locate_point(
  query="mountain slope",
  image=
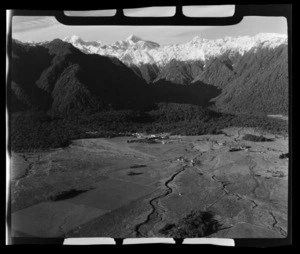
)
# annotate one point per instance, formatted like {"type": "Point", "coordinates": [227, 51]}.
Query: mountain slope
{"type": "Point", "coordinates": [72, 81]}
{"type": "Point", "coordinates": [27, 64]}
{"type": "Point", "coordinates": [182, 73]}
{"type": "Point", "coordinates": [243, 74]}
{"type": "Point", "coordinates": [260, 83]}
{"type": "Point", "coordinates": [250, 71]}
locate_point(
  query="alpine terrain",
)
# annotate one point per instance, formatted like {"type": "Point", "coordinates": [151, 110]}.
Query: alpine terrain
{"type": "Point", "coordinates": [137, 139]}
{"type": "Point", "coordinates": [254, 68]}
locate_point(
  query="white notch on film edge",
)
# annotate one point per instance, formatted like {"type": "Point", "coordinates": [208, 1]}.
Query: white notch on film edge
{"type": "Point", "coordinates": [214, 241]}
{"type": "Point", "coordinates": [148, 240]}
{"type": "Point", "coordinates": [89, 241]}
{"type": "Point", "coordinates": [111, 241]}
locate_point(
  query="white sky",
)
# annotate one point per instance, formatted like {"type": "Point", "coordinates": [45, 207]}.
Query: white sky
{"type": "Point", "coordinates": [48, 28]}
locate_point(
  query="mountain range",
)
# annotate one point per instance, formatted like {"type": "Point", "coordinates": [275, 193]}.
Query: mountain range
{"type": "Point", "coordinates": [242, 74]}
{"type": "Point", "coordinates": [134, 50]}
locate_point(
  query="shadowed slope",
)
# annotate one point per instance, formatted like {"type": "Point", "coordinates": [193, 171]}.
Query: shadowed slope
{"type": "Point", "coordinates": [197, 93]}
{"type": "Point", "coordinates": [71, 81]}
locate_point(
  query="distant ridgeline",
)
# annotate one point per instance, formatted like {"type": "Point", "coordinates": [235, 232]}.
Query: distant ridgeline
{"type": "Point", "coordinates": [244, 74]}
{"type": "Point", "coordinates": [251, 72]}
{"type": "Point", "coordinates": [66, 82]}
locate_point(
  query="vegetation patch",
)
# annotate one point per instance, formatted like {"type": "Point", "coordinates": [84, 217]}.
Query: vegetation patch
{"type": "Point", "coordinates": [278, 174]}
{"type": "Point", "coordinates": [254, 138]}
{"type": "Point", "coordinates": [284, 156]}
{"type": "Point", "coordinates": [131, 173]}
{"type": "Point", "coordinates": [138, 166]}
{"type": "Point", "coordinates": [37, 130]}
{"type": "Point", "coordinates": [66, 194]}
{"type": "Point", "coordinates": [144, 141]}
{"type": "Point", "coordinates": [195, 224]}
{"type": "Point", "coordinates": [234, 149]}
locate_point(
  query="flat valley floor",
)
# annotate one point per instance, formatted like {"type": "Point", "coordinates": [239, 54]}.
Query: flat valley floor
{"type": "Point", "coordinates": [111, 188]}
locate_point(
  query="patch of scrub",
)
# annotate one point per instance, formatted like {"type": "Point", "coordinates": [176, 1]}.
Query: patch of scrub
{"type": "Point", "coordinates": [131, 173]}
{"type": "Point", "coordinates": [66, 194]}
{"type": "Point", "coordinates": [138, 166]}
{"type": "Point", "coordinates": [195, 224]}
{"type": "Point", "coordinates": [254, 138]}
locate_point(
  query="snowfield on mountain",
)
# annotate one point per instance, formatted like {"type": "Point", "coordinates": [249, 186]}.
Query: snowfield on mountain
{"type": "Point", "coordinates": [136, 51]}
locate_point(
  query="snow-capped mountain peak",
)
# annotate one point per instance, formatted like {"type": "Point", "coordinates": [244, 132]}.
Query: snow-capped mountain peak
{"type": "Point", "coordinates": [197, 39]}
{"type": "Point", "coordinates": [136, 51]}
{"type": "Point", "coordinates": [134, 42]}
{"type": "Point", "coordinates": [31, 43]}
{"type": "Point", "coordinates": [72, 39]}
{"type": "Point", "coordinates": [85, 46]}
{"type": "Point", "coordinates": [133, 38]}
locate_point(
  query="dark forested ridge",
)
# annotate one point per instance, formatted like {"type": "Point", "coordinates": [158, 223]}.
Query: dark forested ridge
{"type": "Point", "coordinates": [60, 78]}
{"type": "Point", "coordinates": [254, 82]}
{"type": "Point", "coordinates": [59, 93]}
{"type": "Point", "coordinates": [260, 83]}
{"type": "Point", "coordinates": [182, 73]}
{"type": "Point", "coordinates": [71, 81]}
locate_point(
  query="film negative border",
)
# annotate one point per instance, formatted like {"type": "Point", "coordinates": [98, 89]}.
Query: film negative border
{"type": "Point", "coordinates": [284, 10]}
